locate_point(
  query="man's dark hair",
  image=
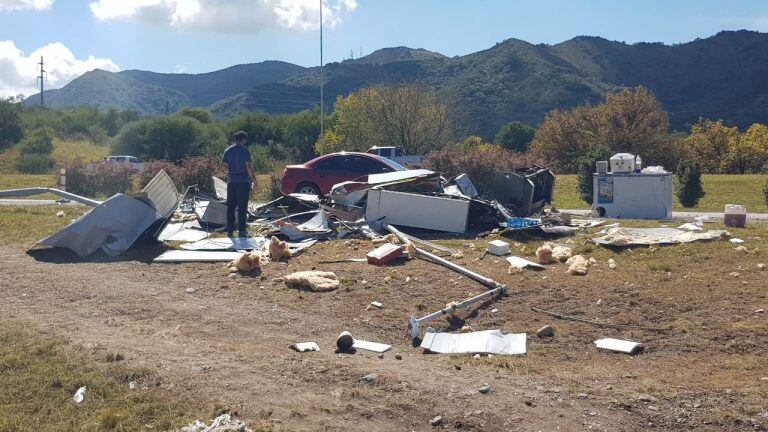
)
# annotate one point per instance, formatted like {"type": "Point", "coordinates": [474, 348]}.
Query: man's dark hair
{"type": "Point", "coordinates": [240, 136]}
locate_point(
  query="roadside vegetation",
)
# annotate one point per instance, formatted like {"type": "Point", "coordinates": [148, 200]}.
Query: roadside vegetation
{"type": "Point", "coordinates": [39, 374]}
{"type": "Point", "coordinates": [35, 140]}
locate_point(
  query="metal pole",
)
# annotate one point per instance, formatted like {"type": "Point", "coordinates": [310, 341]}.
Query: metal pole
{"type": "Point", "coordinates": [322, 78]}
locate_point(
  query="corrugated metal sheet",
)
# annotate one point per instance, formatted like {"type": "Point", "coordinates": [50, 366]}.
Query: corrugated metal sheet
{"type": "Point", "coordinates": [162, 194]}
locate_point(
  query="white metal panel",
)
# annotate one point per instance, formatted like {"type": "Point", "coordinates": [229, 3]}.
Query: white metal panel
{"type": "Point", "coordinates": [417, 211]}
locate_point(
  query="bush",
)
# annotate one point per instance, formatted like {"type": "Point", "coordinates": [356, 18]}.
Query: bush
{"type": "Point", "coordinates": [587, 168]}
{"type": "Point", "coordinates": [39, 141]}
{"type": "Point", "coordinates": [169, 138]}
{"type": "Point", "coordinates": [103, 179]}
{"type": "Point", "coordinates": [765, 192]}
{"type": "Point", "coordinates": [11, 131]}
{"type": "Point", "coordinates": [34, 163]}
{"type": "Point", "coordinates": [189, 172]}
{"type": "Point", "coordinates": [480, 161]}
{"type": "Point", "coordinates": [515, 136]}
{"type": "Point", "coordinates": [688, 183]}
{"type": "Point", "coordinates": [274, 186]}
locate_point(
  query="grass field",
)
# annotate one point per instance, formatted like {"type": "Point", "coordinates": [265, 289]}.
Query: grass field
{"type": "Point", "coordinates": [720, 189]}
{"type": "Point", "coordinates": [39, 374]}
{"type": "Point", "coordinates": [64, 151]}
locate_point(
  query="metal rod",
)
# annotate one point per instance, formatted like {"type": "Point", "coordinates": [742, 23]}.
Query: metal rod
{"type": "Point", "coordinates": [415, 323]}
{"type": "Point", "coordinates": [490, 283]}
{"type": "Point", "coordinates": [41, 190]}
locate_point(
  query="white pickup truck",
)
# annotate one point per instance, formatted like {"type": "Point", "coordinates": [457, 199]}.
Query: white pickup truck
{"type": "Point", "coordinates": [398, 155]}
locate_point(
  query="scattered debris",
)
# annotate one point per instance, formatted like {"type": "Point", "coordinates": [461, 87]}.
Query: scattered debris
{"type": "Point", "coordinates": [466, 329]}
{"type": "Point", "coordinates": [577, 265]}
{"type": "Point", "coordinates": [619, 345]}
{"type": "Point", "coordinates": [481, 342]}
{"type": "Point", "coordinates": [371, 346]}
{"type": "Point", "coordinates": [60, 214]}
{"type": "Point", "coordinates": [184, 256]}
{"type": "Point", "coordinates": [741, 249]}
{"type": "Point", "coordinates": [736, 241]}
{"type": "Point", "coordinates": [546, 331]}
{"type": "Point", "coordinates": [498, 247]}
{"type": "Point", "coordinates": [227, 244]}
{"type": "Point", "coordinates": [544, 254]}
{"type": "Point", "coordinates": [484, 389]}
{"type": "Point", "coordinates": [377, 305]}
{"type": "Point", "coordinates": [79, 396]}
{"type": "Point", "coordinates": [597, 324]}
{"type": "Point", "coordinates": [437, 421]}
{"type": "Point", "coordinates": [761, 266]}
{"type": "Point", "coordinates": [345, 341]}
{"type": "Point", "coordinates": [278, 249]}
{"type": "Point", "coordinates": [305, 346]}
{"type": "Point", "coordinates": [222, 423]}
{"type": "Point", "coordinates": [612, 264]}
{"type": "Point", "coordinates": [622, 237]}
{"type": "Point", "coordinates": [384, 254]}
{"type": "Point", "coordinates": [313, 280]}
{"type": "Point", "coordinates": [369, 379]}
{"type": "Point", "coordinates": [522, 263]}
{"type": "Point", "coordinates": [248, 262]}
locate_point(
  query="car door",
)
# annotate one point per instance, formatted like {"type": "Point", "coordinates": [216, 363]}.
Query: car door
{"type": "Point", "coordinates": [362, 166]}
{"type": "Point", "coordinates": [330, 171]}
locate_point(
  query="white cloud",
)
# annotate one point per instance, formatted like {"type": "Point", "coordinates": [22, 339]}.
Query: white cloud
{"type": "Point", "coordinates": [232, 16]}
{"type": "Point", "coordinates": [9, 5]}
{"type": "Point", "coordinates": [18, 71]}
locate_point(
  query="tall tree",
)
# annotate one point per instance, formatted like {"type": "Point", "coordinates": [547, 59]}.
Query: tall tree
{"type": "Point", "coordinates": [709, 143]}
{"type": "Point", "coordinates": [628, 121]}
{"type": "Point", "coordinates": [515, 136]}
{"type": "Point", "coordinates": [10, 124]}
{"type": "Point", "coordinates": [402, 116]}
{"type": "Point", "coordinates": [748, 152]}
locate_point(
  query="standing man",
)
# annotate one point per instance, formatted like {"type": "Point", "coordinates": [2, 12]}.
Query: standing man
{"type": "Point", "coordinates": [239, 182]}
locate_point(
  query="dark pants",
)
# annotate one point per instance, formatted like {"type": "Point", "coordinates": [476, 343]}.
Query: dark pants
{"type": "Point", "coordinates": [237, 198]}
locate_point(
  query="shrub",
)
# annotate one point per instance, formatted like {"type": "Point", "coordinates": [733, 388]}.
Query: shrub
{"type": "Point", "coordinates": [103, 179]}
{"type": "Point", "coordinates": [587, 168]}
{"type": "Point", "coordinates": [274, 186]}
{"type": "Point", "coordinates": [480, 161]}
{"type": "Point", "coordinates": [189, 172]}
{"type": "Point", "coordinates": [765, 192]}
{"type": "Point", "coordinates": [515, 136]}
{"type": "Point", "coordinates": [11, 131]}
{"type": "Point", "coordinates": [34, 163]}
{"type": "Point", "coordinates": [688, 183]}
{"type": "Point", "coordinates": [39, 141]}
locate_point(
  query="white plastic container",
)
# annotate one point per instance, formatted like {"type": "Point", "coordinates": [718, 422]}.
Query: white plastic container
{"type": "Point", "coordinates": [622, 163]}
{"type": "Point", "coordinates": [735, 216]}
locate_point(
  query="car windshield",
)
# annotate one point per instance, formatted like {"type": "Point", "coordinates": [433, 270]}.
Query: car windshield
{"type": "Point", "coordinates": [396, 166]}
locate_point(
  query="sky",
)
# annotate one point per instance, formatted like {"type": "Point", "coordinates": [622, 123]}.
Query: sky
{"type": "Point", "coordinates": [194, 36]}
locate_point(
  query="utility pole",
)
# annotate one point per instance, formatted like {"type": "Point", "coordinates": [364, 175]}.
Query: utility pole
{"type": "Point", "coordinates": [322, 79]}
{"type": "Point", "coordinates": [167, 108]}
{"type": "Point", "coordinates": [41, 78]}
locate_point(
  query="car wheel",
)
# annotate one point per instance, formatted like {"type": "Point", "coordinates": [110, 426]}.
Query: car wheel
{"type": "Point", "coordinates": [308, 188]}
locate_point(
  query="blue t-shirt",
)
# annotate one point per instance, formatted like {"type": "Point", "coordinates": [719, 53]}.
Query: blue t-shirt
{"type": "Point", "coordinates": [236, 156]}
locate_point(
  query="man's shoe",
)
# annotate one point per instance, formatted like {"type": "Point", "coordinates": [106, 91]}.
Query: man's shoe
{"type": "Point", "coordinates": [242, 233]}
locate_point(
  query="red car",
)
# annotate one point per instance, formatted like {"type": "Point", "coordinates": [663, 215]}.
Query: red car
{"type": "Point", "coordinates": [318, 176]}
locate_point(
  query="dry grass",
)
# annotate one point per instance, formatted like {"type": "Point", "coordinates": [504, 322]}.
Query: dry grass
{"type": "Point", "coordinates": [64, 151]}
{"type": "Point", "coordinates": [39, 375]}
{"type": "Point", "coordinates": [24, 226]}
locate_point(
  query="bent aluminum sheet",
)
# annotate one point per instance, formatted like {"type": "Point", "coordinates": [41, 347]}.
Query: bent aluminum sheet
{"type": "Point", "coordinates": [184, 256]}
{"type": "Point", "coordinates": [482, 342]}
{"type": "Point", "coordinates": [371, 346]}
{"type": "Point", "coordinates": [174, 228]}
{"type": "Point", "coordinates": [227, 243]}
{"type": "Point", "coordinates": [112, 226]}
{"type": "Point", "coordinates": [653, 236]}
{"type": "Point", "coordinates": [624, 346]}
{"type": "Point", "coordinates": [519, 262]}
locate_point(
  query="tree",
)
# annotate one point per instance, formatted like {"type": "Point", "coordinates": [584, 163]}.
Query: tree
{"type": "Point", "coordinates": [171, 138]}
{"type": "Point", "coordinates": [587, 167]}
{"type": "Point", "coordinates": [402, 116]}
{"type": "Point", "coordinates": [709, 143]}
{"type": "Point", "coordinates": [515, 136]}
{"type": "Point", "coordinates": [10, 124]}
{"type": "Point", "coordinates": [629, 121]}
{"type": "Point", "coordinates": [200, 114]}
{"type": "Point", "coordinates": [688, 183]}
{"type": "Point", "coordinates": [36, 150]}
{"type": "Point", "coordinates": [748, 152]}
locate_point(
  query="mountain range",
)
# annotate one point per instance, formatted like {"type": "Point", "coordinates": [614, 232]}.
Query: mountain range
{"type": "Point", "coordinates": [721, 77]}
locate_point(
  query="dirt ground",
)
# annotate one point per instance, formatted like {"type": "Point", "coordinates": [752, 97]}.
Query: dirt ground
{"type": "Point", "coordinates": [227, 342]}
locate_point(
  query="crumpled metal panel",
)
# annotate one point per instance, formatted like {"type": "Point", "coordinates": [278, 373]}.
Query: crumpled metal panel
{"type": "Point", "coordinates": [112, 226]}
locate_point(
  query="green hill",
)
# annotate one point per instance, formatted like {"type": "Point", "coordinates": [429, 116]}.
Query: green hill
{"type": "Point", "coordinates": [721, 77]}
